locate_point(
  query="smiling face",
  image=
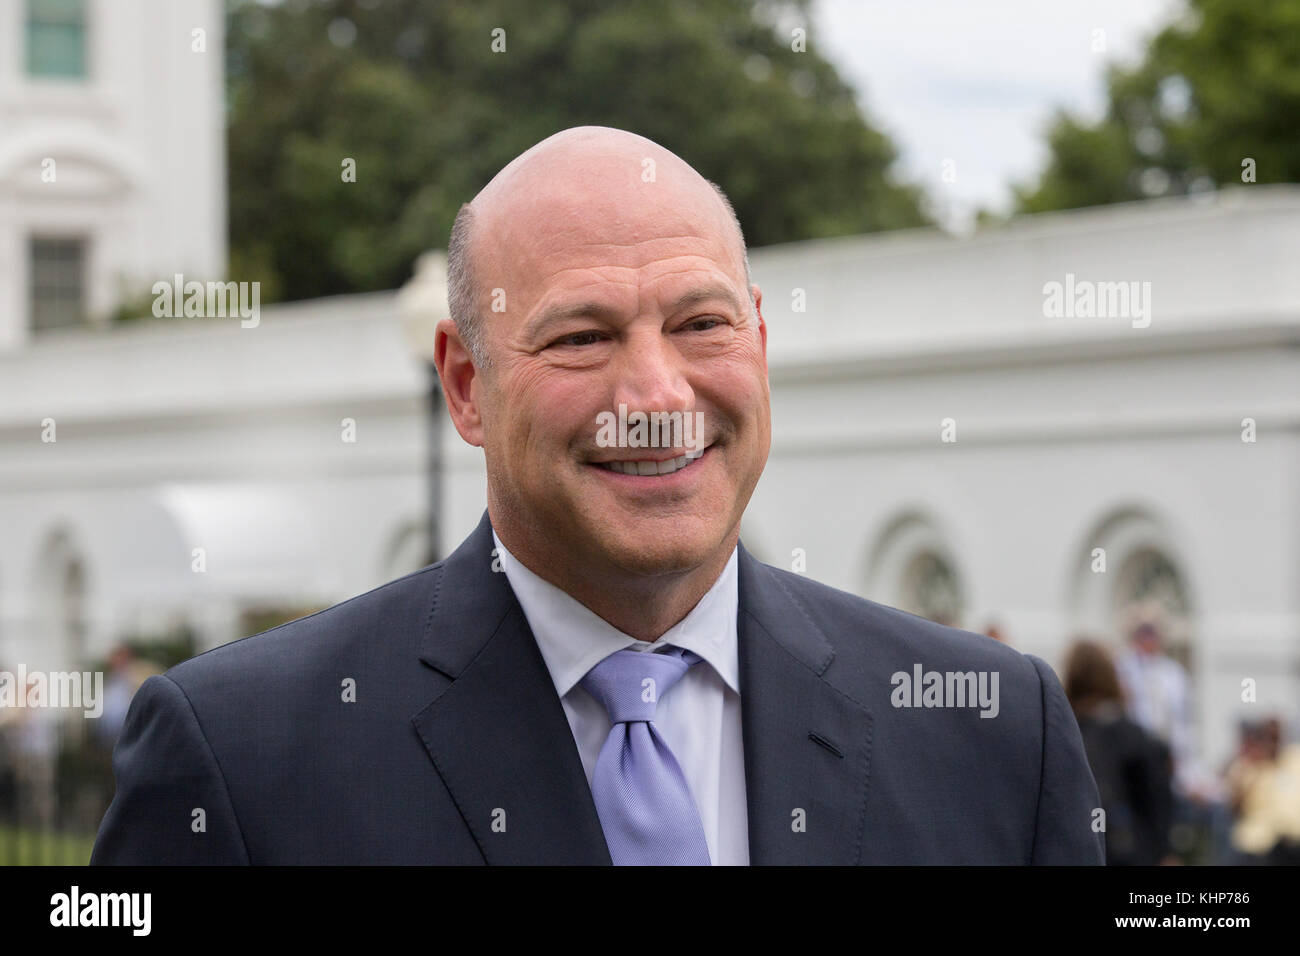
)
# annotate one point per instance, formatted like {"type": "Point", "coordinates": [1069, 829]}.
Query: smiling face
{"type": "Point", "coordinates": [616, 292]}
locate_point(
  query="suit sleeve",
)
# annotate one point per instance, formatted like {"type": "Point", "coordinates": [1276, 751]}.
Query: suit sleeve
{"type": "Point", "coordinates": [166, 772]}
{"type": "Point", "coordinates": [1064, 828]}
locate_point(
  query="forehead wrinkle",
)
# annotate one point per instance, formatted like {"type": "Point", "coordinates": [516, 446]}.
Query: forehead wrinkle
{"type": "Point", "coordinates": [557, 304]}
{"type": "Point", "coordinates": [724, 248]}
{"type": "Point", "coordinates": [682, 272]}
{"type": "Point", "coordinates": [552, 293]}
{"type": "Point", "coordinates": [717, 285]}
{"type": "Point", "coordinates": [714, 284]}
{"type": "Point", "coordinates": [701, 247]}
{"type": "Point", "coordinates": [708, 262]}
{"type": "Point", "coordinates": [705, 255]}
{"type": "Point", "coordinates": [676, 237]}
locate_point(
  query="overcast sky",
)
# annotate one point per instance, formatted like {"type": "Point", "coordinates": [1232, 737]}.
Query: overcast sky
{"type": "Point", "coordinates": [976, 82]}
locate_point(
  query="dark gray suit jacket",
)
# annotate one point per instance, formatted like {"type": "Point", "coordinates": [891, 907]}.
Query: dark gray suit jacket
{"type": "Point", "coordinates": [456, 723]}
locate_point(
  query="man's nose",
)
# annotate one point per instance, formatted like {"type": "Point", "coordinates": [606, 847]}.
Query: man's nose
{"type": "Point", "coordinates": [651, 376]}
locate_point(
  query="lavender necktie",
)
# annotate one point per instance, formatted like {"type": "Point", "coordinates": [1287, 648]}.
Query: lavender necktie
{"type": "Point", "coordinates": [642, 798]}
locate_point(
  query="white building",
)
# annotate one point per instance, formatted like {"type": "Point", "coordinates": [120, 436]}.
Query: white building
{"type": "Point", "coordinates": [292, 454]}
{"type": "Point", "coordinates": [112, 155]}
{"type": "Point", "coordinates": [1174, 447]}
{"type": "Point", "coordinates": [198, 472]}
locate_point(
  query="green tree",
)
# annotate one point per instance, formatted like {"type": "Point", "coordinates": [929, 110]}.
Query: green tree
{"type": "Point", "coordinates": [1216, 88]}
{"type": "Point", "coordinates": [414, 93]}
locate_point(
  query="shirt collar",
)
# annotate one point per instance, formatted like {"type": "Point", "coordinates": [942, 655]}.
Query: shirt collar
{"type": "Point", "coordinates": [573, 639]}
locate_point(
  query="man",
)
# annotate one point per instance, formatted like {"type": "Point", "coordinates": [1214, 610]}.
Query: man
{"type": "Point", "coordinates": [601, 673]}
{"type": "Point", "coordinates": [1159, 695]}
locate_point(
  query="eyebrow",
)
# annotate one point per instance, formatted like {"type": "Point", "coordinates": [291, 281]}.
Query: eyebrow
{"type": "Point", "coordinates": [705, 294]}
{"type": "Point", "coordinates": [601, 310]}
{"type": "Point", "coordinates": [557, 313]}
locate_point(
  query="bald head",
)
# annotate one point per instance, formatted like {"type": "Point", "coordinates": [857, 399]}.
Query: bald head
{"type": "Point", "coordinates": [590, 183]}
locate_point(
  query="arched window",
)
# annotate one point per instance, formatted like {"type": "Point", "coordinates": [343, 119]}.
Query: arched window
{"type": "Point", "coordinates": [930, 589]}
{"type": "Point", "coordinates": [1127, 564]}
{"type": "Point", "coordinates": [1148, 578]}
{"type": "Point", "coordinates": [912, 568]}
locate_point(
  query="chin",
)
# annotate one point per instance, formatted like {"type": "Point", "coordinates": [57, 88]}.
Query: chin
{"type": "Point", "coordinates": [653, 550]}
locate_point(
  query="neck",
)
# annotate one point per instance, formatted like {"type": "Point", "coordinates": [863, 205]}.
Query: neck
{"type": "Point", "coordinates": [641, 606]}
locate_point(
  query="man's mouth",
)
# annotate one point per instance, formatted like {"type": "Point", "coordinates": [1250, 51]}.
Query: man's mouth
{"type": "Point", "coordinates": [649, 468]}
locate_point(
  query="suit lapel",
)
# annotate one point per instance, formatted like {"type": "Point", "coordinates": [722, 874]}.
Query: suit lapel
{"type": "Point", "coordinates": [807, 744]}
{"type": "Point", "coordinates": [497, 734]}
{"type": "Point", "coordinates": [499, 738]}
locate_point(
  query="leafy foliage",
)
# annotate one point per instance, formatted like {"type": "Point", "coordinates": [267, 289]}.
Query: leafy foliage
{"type": "Point", "coordinates": [413, 92]}
{"type": "Point", "coordinates": [1219, 86]}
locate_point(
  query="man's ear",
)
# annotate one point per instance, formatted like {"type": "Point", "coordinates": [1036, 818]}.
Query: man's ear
{"type": "Point", "coordinates": [762, 325]}
{"type": "Point", "coordinates": [457, 373]}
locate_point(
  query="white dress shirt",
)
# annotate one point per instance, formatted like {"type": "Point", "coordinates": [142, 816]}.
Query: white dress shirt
{"type": "Point", "coordinates": [1159, 699]}
{"type": "Point", "coordinates": [699, 717]}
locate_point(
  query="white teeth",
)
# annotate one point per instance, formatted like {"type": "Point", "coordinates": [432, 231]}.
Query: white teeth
{"type": "Point", "coordinates": [648, 468]}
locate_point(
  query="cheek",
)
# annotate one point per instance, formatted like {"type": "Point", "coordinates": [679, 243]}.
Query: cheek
{"type": "Point", "coordinates": [742, 397]}
{"type": "Point", "coordinates": [742, 365]}
{"type": "Point", "coordinates": [547, 412]}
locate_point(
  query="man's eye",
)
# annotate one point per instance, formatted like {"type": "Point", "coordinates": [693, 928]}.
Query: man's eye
{"type": "Point", "coordinates": [702, 324]}
{"type": "Point", "coordinates": [579, 339]}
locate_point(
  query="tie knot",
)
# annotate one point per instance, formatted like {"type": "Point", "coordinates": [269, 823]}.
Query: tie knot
{"type": "Point", "coordinates": [630, 683]}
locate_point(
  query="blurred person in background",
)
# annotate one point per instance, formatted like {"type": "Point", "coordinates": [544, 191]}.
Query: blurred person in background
{"type": "Point", "coordinates": [29, 747]}
{"type": "Point", "coordinates": [1131, 766]}
{"type": "Point", "coordinates": [126, 672]}
{"type": "Point", "coordinates": [1264, 794]}
{"type": "Point", "coordinates": [994, 630]}
{"type": "Point", "coordinates": [1158, 697]}
{"type": "Point", "coordinates": [8, 762]}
